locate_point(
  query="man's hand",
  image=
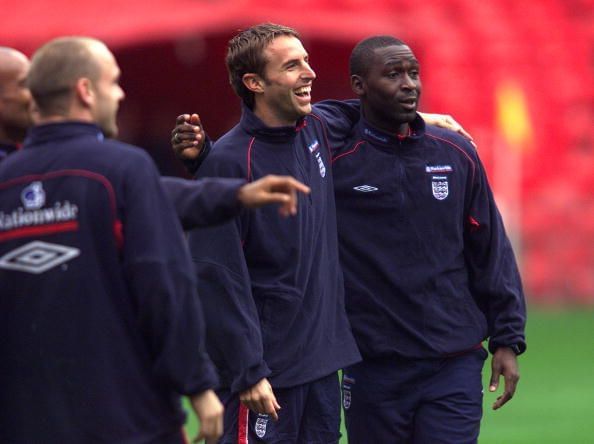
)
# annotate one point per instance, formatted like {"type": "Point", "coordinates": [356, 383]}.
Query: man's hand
{"type": "Point", "coordinates": [260, 399]}
{"type": "Point", "coordinates": [504, 363]}
{"type": "Point", "coordinates": [187, 138]}
{"type": "Point", "coordinates": [447, 122]}
{"type": "Point", "coordinates": [273, 189]}
{"type": "Point", "coordinates": [209, 411]}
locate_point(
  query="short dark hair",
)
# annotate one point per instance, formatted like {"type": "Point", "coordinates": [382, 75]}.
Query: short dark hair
{"type": "Point", "coordinates": [364, 50]}
{"type": "Point", "coordinates": [245, 54]}
{"type": "Point", "coordinates": [56, 67]}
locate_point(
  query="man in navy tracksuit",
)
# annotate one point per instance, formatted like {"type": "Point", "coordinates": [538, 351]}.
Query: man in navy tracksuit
{"type": "Point", "coordinates": [429, 270]}
{"type": "Point", "coordinates": [272, 289]}
{"type": "Point", "coordinates": [101, 327]}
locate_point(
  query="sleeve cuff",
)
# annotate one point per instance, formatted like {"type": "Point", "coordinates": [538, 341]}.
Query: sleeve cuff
{"type": "Point", "coordinates": [250, 377]}
{"type": "Point", "coordinates": [518, 347]}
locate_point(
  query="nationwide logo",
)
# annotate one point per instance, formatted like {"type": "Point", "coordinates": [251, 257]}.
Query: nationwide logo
{"type": "Point", "coordinates": [33, 198]}
{"type": "Point", "coordinates": [60, 212]}
{"type": "Point", "coordinates": [37, 257]}
{"type": "Point", "coordinates": [365, 188]}
{"type": "Point", "coordinates": [438, 169]}
{"type": "Point", "coordinates": [439, 187]}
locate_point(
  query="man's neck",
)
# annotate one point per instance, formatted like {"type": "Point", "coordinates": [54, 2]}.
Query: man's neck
{"type": "Point", "coordinates": [54, 119]}
{"type": "Point", "coordinates": [73, 114]}
{"type": "Point", "coordinates": [401, 129]}
{"type": "Point", "coordinates": [271, 118]}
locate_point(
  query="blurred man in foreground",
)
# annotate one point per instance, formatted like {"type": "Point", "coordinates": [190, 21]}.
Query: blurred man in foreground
{"type": "Point", "coordinates": [102, 330]}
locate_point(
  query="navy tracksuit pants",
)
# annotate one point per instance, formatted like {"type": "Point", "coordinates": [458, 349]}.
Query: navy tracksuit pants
{"type": "Point", "coordinates": [430, 401]}
{"type": "Point", "coordinates": [309, 414]}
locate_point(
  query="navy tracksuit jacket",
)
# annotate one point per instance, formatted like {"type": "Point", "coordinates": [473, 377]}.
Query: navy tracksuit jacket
{"type": "Point", "coordinates": [272, 288]}
{"type": "Point", "coordinates": [429, 270]}
{"type": "Point", "coordinates": [100, 323]}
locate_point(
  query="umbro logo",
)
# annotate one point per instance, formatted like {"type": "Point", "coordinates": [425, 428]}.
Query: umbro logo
{"type": "Point", "coordinates": [365, 188]}
{"type": "Point", "coordinates": [37, 257]}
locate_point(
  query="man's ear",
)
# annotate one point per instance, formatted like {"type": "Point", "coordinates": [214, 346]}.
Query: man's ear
{"type": "Point", "coordinates": [84, 90]}
{"type": "Point", "coordinates": [253, 82]}
{"type": "Point", "coordinates": [357, 85]}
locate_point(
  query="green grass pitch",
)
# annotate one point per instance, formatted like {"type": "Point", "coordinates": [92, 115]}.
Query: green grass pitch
{"type": "Point", "coordinates": [554, 403]}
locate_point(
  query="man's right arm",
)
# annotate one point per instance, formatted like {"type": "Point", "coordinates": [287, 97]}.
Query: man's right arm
{"type": "Point", "coordinates": [213, 200]}
{"type": "Point", "coordinates": [233, 335]}
{"type": "Point", "coordinates": [340, 118]}
{"type": "Point", "coordinates": [234, 339]}
{"type": "Point", "coordinates": [191, 145]}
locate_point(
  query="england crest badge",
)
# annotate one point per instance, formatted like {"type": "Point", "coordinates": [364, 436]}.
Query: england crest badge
{"type": "Point", "coordinates": [439, 186]}
{"type": "Point", "coordinates": [346, 399]}
{"type": "Point", "coordinates": [347, 384]}
{"type": "Point", "coordinates": [314, 149]}
{"type": "Point", "coordinates": [33, 196]}
{"type": "Point", "coordinates": [260, 427]}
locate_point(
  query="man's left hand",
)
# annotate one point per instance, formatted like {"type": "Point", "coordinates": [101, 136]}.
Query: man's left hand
{"type": "Point", "coordinates": [504, 363]}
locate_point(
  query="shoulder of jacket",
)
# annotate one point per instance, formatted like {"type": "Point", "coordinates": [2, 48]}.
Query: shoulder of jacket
{"type": "Point", "coordinates": [453, 140]}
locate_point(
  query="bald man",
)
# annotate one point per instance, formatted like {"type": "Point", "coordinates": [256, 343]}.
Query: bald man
{"type": "Point", "coordinates": [15, 100]}
{"type": "Point", "coordinates": [101, 327]}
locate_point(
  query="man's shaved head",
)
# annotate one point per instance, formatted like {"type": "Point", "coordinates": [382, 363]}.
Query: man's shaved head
{"type": "Point", "coordinates": [15, 99]}
{"type": "Point", "coordinates": [56, 67]}
{"type": "Point", "coordinates": [10, 61]}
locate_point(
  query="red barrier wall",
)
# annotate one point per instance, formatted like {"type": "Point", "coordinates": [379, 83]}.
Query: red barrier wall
{"type": "Point", "coordinates": [518, 75]}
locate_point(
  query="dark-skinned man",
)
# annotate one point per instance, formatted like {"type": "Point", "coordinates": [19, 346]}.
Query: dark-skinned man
{"type": "Point", "coordinates": [432, 274]}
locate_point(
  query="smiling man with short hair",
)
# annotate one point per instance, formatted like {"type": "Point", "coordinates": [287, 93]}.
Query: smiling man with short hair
{"type": "Point", "coordinates": [272, 289]}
